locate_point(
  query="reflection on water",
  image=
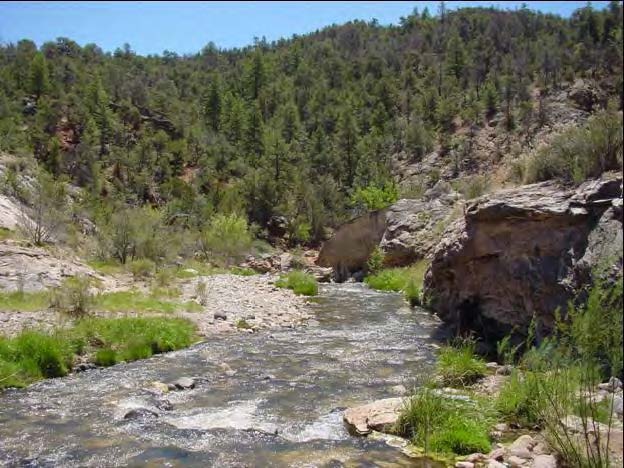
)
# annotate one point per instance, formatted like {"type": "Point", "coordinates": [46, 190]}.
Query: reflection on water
{"type": "Point", "coordinates": [282, 407]}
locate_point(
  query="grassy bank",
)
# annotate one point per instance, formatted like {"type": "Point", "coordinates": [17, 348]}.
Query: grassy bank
{"type": "Point", "coordinates": [159, 300]}
{"type": "Point", "coordinates": [408, 280]}
{"type": "Point", "coordinates": [34, 355]}
{"type": "Point", "coordinates": [549, 382]}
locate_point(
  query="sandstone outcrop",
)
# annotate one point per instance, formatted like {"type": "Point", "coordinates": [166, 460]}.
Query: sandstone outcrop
{"type": "Point", "coordinates": [524, 251]}
{"type": "Point", "coordinates": [407, 231]}
{"type": "Point", "coordinates": [349, 249]}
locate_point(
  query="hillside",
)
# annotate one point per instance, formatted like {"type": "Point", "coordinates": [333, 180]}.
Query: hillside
{"type": "Point", "coordinates": [311, 128]}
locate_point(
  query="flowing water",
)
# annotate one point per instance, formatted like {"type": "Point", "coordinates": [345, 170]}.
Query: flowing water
{"type": "Point", "coordinates": [283, 407]}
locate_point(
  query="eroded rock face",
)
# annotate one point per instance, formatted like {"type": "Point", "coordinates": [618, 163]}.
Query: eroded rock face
{"type": "Point", "coordinates": [34, 269]}
{"type": "Point", "coordinates": [524, 251]}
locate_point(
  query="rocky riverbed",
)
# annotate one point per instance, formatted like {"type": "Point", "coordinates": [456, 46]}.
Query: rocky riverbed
{"type": "Point", "coordinates": [229, 303]}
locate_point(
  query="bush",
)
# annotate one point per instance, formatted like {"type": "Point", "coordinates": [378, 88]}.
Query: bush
{"type": "Point", "coordinates": [301, 283]}
{"type": "Point", "coordinates": [458, 366]}
{"type": "Point", "coordinates": [373, 198]}
{"type": "Point", "coordinates": [412, 292]}
{"type": "Point", "coordinates": [142, 268]}
{"type": "Point", "coordinates": [73, 297]}
{"type": "Point", "coordinates": [227, 238]}
{"type": "Point", "coordinates": [442, 425]}
{"type": "Point", "coordinates": [580, 152]}
{"type": "Point", "coordinates": [375, 260]}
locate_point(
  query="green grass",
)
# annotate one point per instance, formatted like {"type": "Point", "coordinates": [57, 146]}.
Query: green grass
{"type": "Point", "coordinates": [33, 355]}
{"type": "Point", "coordinates": [458, 365]}
{"type": "Point", "coordinates": [408, 280]}
{"type": "Point", "coordinates": [390, 279]}
{"type": "Point", "coordinates": [6, 234]}
{"type": "Point", "coordinates": [24, 301]}
{"type": "Point", "coordinates": [134, 301]}
{"type": "Point", "coordinates": [243, 324]}
{"type": "Point", "coordinates": [441, 425]}
{"type": "Point", "coordinates": [301, 283]}
{"type": "Point", "coordinates": [107, 267]}
{"type": "Point", "coordinates": [243, 271]}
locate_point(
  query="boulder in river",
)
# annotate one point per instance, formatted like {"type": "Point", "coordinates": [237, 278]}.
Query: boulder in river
{"type": "Point", "coordinates": [522, 252]}
{"type": "Point", "coordinates": [140, 413]}
{"type": "Point", "coordinates": [380, 415]}
{"type": "Point", "coordinates": [184, 383]}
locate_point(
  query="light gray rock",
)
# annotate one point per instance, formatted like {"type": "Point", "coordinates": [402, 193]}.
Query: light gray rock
{"type": "Point", "coordinates": [184, 383]}
{"type": "Point", "coordinates": [522, 446]}
{"type": "Point", "coordinates": [516, 462]}
{"type": "Point", "coordinates": [379, 415]}
{"type": "Point", "coordinates": [544, 461]}
{"type": "Point", "coordinates": [464, 464]}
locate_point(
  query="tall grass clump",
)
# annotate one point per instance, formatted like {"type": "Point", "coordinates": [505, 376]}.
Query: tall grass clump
{"type": "Point", "coordinates": [407, 280]}
{"type": "Point", "coordinates": [31, 356]}
{"type": "Point", "coordinates": [132, 338]}
{"type": "Point", "coordinates": [299, 282]}
{"type": "Point", "coordinates": [443, 425]}
{"type": "Point", "coordinates": [458, 364]}
{"type": "Point", "coordinates": [73, 297]}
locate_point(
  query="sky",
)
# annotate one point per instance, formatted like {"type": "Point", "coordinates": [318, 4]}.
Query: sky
{"type": "Point", "coordinates": [186, 27]}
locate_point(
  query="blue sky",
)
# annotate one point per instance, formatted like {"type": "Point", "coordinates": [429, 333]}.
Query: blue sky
{"type": "Point", "coordinates": [185, 27]}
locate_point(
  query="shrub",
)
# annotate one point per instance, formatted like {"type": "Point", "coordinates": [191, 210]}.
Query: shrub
{"type": "Point", "coordinates": [412, 292]}
{"type": "Point", "coordinates": [375, 260]}
{"type": "Point", "coordinates": [227, 238]}
{"type": "Point", "coordinates": [201, 291]}
{"type": "Point", "coordinates": [73, 297]}
{"type": "Point", "coordinates": [142, 268]}
{"type": "Point", "coordinates": [301, 283]}
{"type": "Point", "coordinates": [242, 271]}
{"type": "Point", "coordinates": [580, 152]}
{"type": "Point", "coordinates": [458, 365]}
{"type": "Point", "coordinates": [243, 324]}
{"type": "Point", "coordinates": [375, 198]}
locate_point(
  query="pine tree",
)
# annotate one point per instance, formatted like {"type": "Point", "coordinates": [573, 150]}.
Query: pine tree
{"type": "Point", "coordinates": [39, 75]}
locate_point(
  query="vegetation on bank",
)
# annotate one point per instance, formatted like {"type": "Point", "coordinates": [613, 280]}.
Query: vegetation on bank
{"type": "Point", "coordinates": [550, 380]}
{"type": "Point", "coordinates": [35, 355]}
{"type": "Point", "coordinates": [77, 302]}
{"type": "Point", "coordinates": [299, 282]}
{"type": "Point", "coordinates": [408, 280]}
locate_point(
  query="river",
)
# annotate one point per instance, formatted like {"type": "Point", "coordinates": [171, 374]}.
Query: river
{"type": "Point", "coordinates": [283, 407]}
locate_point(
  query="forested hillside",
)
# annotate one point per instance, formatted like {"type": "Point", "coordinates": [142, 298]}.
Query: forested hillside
{"type": "Point", "coordinates": [304, 128]}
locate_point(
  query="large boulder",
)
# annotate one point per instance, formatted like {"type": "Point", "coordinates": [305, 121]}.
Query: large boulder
{"type": "Point", "coordinates": [413, 229]}
{"type": "Point", "coordinates": [352, 244]}
{"type": "Point", "coordinates": [524, 251]}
